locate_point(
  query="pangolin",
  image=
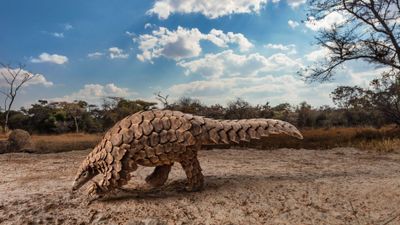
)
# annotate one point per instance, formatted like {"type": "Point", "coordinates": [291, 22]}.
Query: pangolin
{"type": "Point", "coordinates": [158, 138]}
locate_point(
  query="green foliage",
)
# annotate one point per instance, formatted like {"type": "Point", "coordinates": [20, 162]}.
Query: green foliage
{"type": "Point", "coordinates": [382, 98]}
{"type": "Point", "coordinates": [65, 117]}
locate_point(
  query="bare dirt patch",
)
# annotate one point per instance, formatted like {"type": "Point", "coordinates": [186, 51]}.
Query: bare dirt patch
{"type": "Point", "coordinates": [337, 186]}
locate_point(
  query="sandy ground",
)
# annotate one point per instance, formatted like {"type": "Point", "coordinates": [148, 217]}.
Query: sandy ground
{"type": "Point", "coordinates": [338, 186]}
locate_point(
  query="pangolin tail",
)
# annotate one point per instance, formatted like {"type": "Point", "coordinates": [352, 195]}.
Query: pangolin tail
{"type": "Point", "coordinates": [234, 131]}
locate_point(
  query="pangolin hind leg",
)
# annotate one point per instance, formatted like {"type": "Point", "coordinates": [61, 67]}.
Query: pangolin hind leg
{"type": "Point", "coordinates": [114, 176]}
{"type": "Point", "coordinates": [159, 175]}
{"type": "Point", "coordinates": [191, 165]}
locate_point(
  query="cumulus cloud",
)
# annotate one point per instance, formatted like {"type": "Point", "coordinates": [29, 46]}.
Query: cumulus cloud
{"type": "Point", "coordinates": [290, 49]}
{"type": "Point", "coordinates": [326, 23]}
{"type": "Point", "coordinates": [38, 79]}
{"type": "Point", "coordinates": [273, 87]}
{"type": "Point", "coordinates": [184, 43]}
{"type": "Point", "coordinates": [94, 93]}
{"type": "Point", "coordinates": [219, 38]}
{"type": "Point", "coordinates": [259, 89]}
{"type": "Point", "coordinates": [223, 76]}
{"type": "Point", "coordinates": [95, 55]}
{"type": "Point", "coordinates": [296, 3]}
{"type": "Point", "coordinates": [50, 58]}
{"type": "Point", "coordinates": [293, 24]}
{"type": "Point", "coordinates": [211, 9]}
{"type": "Point", "coordinates": [117, 53]}
{"type": "Point", "coordinates": [230, 64]}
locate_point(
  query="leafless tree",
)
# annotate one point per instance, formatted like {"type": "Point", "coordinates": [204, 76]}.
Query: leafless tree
{"type": "Point", "coordinates": [15, 78]}
{"type": "Point", "coordinates": [370, 32]}
{"type": "Point", "coordinates": [162, 99]}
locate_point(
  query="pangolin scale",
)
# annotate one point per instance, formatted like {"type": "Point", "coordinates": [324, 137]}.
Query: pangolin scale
{"type": "Point", "coordinates": [158, 138]}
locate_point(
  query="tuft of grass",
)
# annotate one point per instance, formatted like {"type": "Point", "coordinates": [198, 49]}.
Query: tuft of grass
{"type": "Point", "coordinates": [384, 146]}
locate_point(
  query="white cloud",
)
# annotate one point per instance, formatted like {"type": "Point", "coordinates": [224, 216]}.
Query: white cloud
{"type": "Point", "coordinates": [363, 78]}
{"type": "Point", "coordinates": [273, 87]}
{"type": "Point", "coordinates": [117, 53]}
{"type": "Point", "coordinates": [94, 93]}
{"type": "Point", "coordinates": [39, 79]}
{"type": "Point", "coordinates": [223, 76]}
{"type": "Point", "coordinates": [211, 9]}
{"type": "Point", "coordinates": [296, 3]}
{"type": "Point", "coordinates": [333, 18]}
{"type": "Point", "coordinates": [57, 35]}
{"type": "Point", "coordinates": [321, 53]}
{"type": "Point", "coordinates": [130, 34]}
{"type": "Point", "coordinates": [50, 58]}
{"type": "Point", "coordinates": [149, 25]}
{"type": "Point", "coordinates": [219, 38]}
{"type": "Point", "coordinates": [184, 43]}
{"type": "Point", "coordinates": [95, 55]}
{"type": "Point", "coordinates": [68, 27]}
{"type": "Point", "coordinates": [260, 89]}
{"type": "Point", "coordinates": [290, 49]}
{"type": "Point", "coordinates": [229, 64]}
{"type": "Point", "coordinates": [293, 24]}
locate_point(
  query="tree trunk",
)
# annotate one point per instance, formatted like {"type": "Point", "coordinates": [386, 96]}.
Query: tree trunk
{"type": "Point", "coordinates": [8, 114]}
{"type": "Point", "coordinates": [5, 128]}
{"type": "Point", "coordinates": [76, 125]}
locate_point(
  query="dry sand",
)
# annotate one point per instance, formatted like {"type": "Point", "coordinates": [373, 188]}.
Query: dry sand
{"type": "Point", "coordinates": [338, 186]}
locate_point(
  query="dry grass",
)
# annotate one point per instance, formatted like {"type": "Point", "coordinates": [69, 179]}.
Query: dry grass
{"type": "Point", "coordinates": [65, 142]}
{"type": "Point", "coordinates": [362, 137]}
{"type": "Point", "coordinates": [386, 139]}
{"type": "Point", "coordinates": [385, 145]}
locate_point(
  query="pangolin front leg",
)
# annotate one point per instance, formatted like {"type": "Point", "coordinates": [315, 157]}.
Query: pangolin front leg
{"type": "Point", "coordinates": [159, 175]}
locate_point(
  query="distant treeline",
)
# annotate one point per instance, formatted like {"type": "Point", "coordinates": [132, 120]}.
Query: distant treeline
{"type": "Point", "coordinates": [79, 116]}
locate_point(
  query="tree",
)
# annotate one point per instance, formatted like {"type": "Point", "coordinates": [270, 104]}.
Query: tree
{"type": "Point", "coordinates": [215, 111]}
{"type": "Point", "coordinates": [304, 115]}
{"type": "Point", "coordinates": [240, 109]}
{"type": "Point", "coordinates": [266, 110]}
{"type": "Point", "coordinates": [162, 99]}
{"type": "Point", "coordinates": [370, 32]}
{"type": "Point", "coordinates": [187, 105]}
{"type": "Point", "coordinates": [75, 110]}
{"type": "Point", "coordinates": [15, 78]}
{"type": "Point", "coordinates": [42, 117]}
{"type": "Point", "coordinates": [116, 108]}
{"type": "Point", "coordinates": [383, 95]}
{"type": "Point", "coordinates": [284, 111]}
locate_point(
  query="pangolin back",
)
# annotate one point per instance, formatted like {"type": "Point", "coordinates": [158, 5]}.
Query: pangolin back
{"type": "Point", "coordinates": [159, 127]}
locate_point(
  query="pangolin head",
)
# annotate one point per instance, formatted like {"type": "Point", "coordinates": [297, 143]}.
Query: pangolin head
{"type": "Point", "coordinates": [85, 173]}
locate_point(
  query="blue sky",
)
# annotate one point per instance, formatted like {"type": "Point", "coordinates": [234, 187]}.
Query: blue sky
{"type": "Point", "coordinates": [211, 50]}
